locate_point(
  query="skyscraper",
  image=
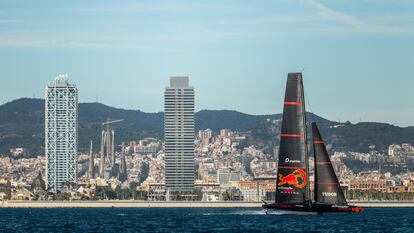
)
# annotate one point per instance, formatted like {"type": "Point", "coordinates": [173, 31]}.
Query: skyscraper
{"type": "Point", "coordinates": [179, 135]}
{"type": "Point", "coordinates": [61, 133]}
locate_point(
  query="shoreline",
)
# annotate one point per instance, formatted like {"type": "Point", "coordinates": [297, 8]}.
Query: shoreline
{"type": "Point", "coordinates": [146, 204]}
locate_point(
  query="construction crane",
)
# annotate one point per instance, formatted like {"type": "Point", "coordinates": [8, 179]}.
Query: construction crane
{"type": "Point", "coordinates": [108, 121]}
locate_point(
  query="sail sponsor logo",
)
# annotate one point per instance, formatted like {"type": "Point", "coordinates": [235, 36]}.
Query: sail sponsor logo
{"type": "Point", "coordinates": [287, 160]}
{"type": "Point", "coordinates": [287, 190]}
{"type": "Point", "coordinates": [328, 194]}
{"type": "Point", "coordinates": [297, 179]}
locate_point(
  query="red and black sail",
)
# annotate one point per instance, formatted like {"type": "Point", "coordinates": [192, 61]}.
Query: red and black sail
{"type": "Point", "coordinates": [292, 181]}
{"type": "Point", "coordinates": [327, 187]}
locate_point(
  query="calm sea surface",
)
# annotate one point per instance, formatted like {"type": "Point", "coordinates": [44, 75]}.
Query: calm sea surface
{"type": "Point", "coordinates": [200, 220]}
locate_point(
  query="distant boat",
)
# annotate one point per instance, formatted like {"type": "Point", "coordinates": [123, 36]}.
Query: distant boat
{"type": "Point", "coordinates": [292, 186]}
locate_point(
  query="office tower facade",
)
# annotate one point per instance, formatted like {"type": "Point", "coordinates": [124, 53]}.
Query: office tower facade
{"type": "Point", "coordinates": [61, 133]}
{"type": "Point", "coordinates": [179, 135]}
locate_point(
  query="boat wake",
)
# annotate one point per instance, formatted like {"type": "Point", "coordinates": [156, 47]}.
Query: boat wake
{"type": "Point", "coordinates": [287, 212]}
{"type": "Point", "coordinates": [258, 212]}
{"type": "Point", "coordinates": [236, 212]}
{"type": "Point", "coordinates": [247, 213]}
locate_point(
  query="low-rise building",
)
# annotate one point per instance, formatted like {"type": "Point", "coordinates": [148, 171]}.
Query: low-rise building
{"type": "Point", "coordinates": [366, 185]}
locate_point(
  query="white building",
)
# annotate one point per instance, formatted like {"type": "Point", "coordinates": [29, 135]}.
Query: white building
{"type": "Point", "coordinates": [61, 133]}
{"type": "Point", "coordinates": [179, 135]}
{"type": "Point", "coordinates": [394, 150]}
{"type": "Point", "coordinates": [205, 136]}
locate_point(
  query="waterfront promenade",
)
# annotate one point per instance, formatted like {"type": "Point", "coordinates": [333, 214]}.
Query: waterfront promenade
{"type": "Point", "coordinates": [142, 204]}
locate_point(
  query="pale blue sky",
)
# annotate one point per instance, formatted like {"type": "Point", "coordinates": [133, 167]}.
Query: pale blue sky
{"type": "Point", "coordinates": [358, 55]}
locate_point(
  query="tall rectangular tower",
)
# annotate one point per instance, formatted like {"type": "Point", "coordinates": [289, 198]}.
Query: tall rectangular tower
{"type": "Point", "coordinates": [61, 133]}
{"type": "Point", "coordinates": [179, 135]}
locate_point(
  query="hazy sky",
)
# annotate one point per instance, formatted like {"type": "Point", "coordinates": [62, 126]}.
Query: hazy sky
{"type": "Point", "coordinates": [358, 55]}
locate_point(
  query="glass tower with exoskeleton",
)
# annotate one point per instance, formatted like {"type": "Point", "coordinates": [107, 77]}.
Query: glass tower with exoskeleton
{"type": "Point", "coordinates": [61, 133]}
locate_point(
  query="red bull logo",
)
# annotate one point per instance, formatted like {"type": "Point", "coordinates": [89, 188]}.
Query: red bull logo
{"type": "Point", "coordinates": [296, 178]}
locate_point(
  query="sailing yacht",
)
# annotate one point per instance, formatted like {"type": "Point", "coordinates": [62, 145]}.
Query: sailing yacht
{"type": "Point", "coordinates": [292, 186]}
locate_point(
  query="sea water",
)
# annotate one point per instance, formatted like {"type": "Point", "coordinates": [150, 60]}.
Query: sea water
{"type": "Point", "coordinates": [201, 220]}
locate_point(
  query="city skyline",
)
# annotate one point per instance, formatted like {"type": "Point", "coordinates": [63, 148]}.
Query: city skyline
{"type": "Point", "coordinates": [209, 116]}
{"type": "Point", "coordinates": [351, 53]}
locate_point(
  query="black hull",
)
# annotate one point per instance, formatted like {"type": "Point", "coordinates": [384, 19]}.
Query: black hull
{"type": "Point", "coordinates": [314, 207]}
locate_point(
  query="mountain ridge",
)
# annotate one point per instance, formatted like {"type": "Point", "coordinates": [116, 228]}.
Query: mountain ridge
{"type": "Point", "coordinates": [22, 125]}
